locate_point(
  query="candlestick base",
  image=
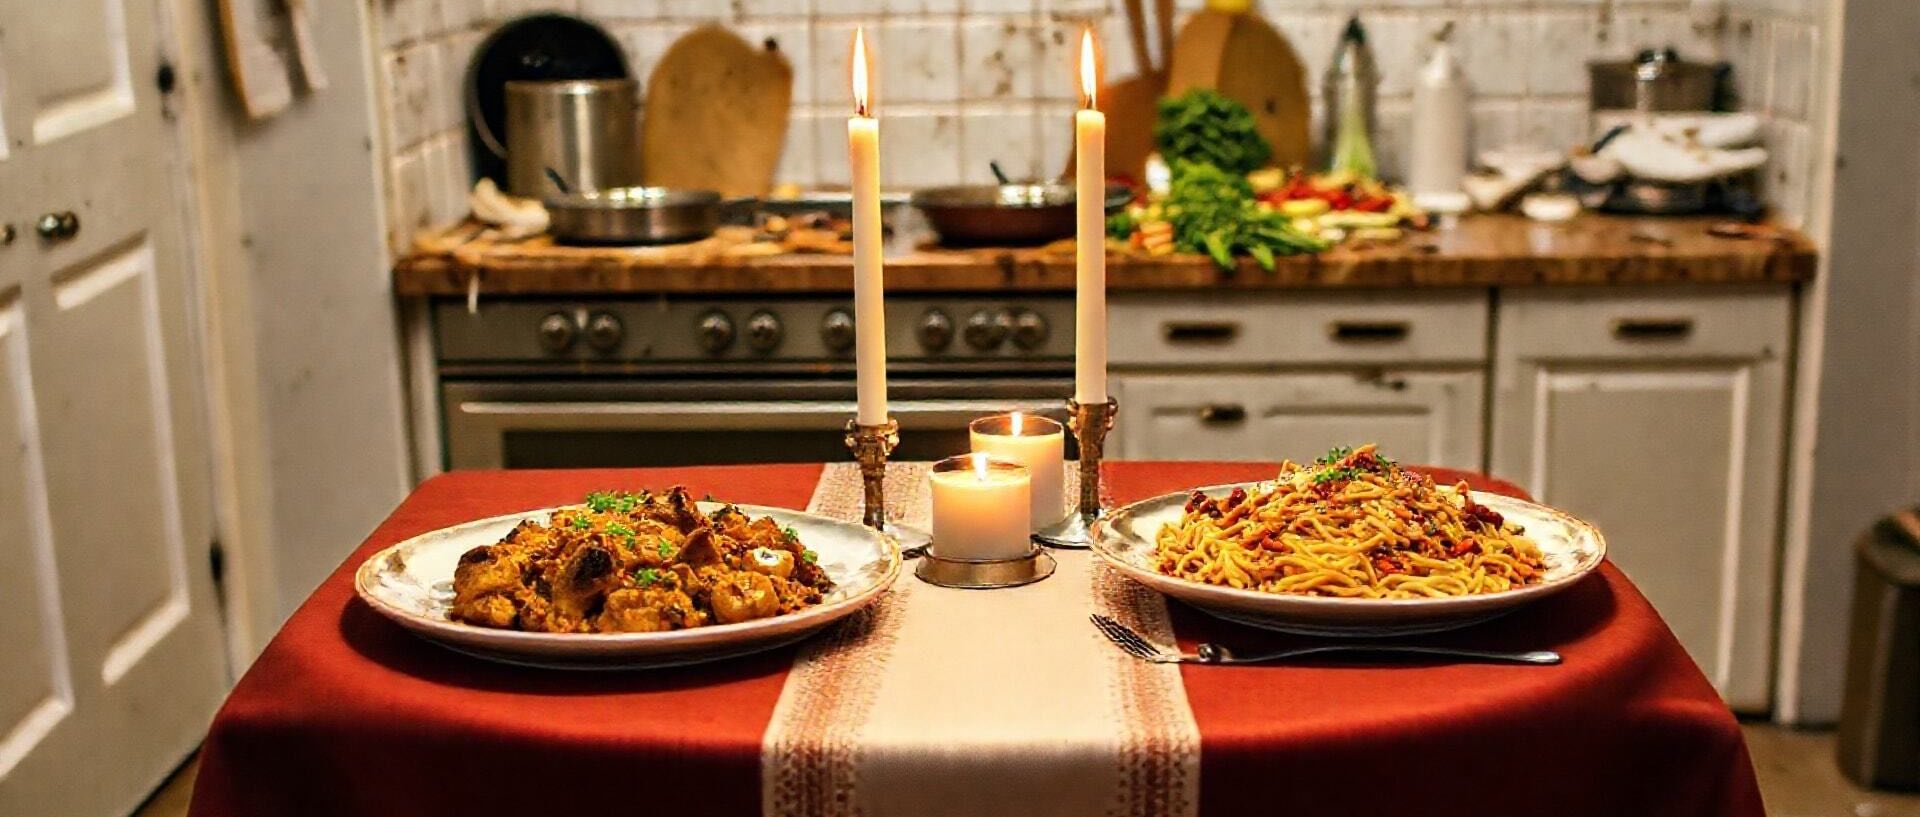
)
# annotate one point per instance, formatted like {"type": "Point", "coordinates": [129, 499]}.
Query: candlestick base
{"type": "Point", "coordinates": [1090, 424]}
{"type": "Point", "coordinates": [988, 574]}
{"type": "Point", "coordinates": [870, 446]}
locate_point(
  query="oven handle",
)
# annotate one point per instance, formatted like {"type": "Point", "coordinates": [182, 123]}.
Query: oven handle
{"type": "Point", "coordinates": [729, 414]}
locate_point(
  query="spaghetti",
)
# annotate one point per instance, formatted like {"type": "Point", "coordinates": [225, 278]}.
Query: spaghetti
{"type": "Point", "coordinates": [1352, 524]}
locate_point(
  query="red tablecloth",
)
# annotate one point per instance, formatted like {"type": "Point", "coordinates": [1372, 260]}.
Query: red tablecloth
{"type": "Point", "coordinates": [346, 714]}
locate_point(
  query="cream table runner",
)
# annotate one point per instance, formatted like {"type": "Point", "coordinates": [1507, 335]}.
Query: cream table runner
{"type": "Point", "coordinates": [955, 703]}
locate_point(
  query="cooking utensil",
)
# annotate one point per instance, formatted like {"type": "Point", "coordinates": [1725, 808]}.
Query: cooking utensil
{"type": "Point", "coordinates": [1131, 104]}
{"type": "Point", "coordinates": [717, 114]}
{"type": "Point", "coordinates": [1571, 548]}
{"type": "Point", "coordinates": [1138, 646]}
{"type": "Point", "coordinates": [411, 584]}
{"type": "Point", "coordinates": [633, 215]}
{"type": "Point", "coordinates": [1244, 58]}
{"type": "Point", "coordinates": [537, 47]}
{"type": "Point", "coordinates": [1657, 80]}
{"type": "Point", "coordinates": [584, 129]}
{"type": "Point", "coordinates": [1019, 214]}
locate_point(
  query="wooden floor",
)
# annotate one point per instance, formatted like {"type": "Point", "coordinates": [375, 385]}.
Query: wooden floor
{"type": "Point", "coordinates": [1798, 778]}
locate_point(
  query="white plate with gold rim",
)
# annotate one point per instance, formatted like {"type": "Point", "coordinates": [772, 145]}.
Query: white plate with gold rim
{"type": "Point", "coordinates": [1570, 547]}
{"type": "Point", "coordinates": [411, 583]}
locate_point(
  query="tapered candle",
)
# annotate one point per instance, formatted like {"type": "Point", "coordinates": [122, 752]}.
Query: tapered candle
{"type": "Point", "coordinates": [1090, 235]}
{"type": "Point", "coordinates": [870, 321]}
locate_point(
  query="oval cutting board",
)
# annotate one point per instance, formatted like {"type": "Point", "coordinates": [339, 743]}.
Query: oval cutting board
{"type": "Point", "coordinates": [716, 114]}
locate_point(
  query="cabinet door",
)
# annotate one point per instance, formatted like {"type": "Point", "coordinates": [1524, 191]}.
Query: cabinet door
{"type": "Point", "coordinates": [1659, 418]}
{"type": "Point", "coordinates": [1425, 417]}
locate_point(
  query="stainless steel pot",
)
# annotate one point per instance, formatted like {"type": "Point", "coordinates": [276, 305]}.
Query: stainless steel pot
{"type": "Point", "coordinates": [633, 215]}
{"type": "Point", "coordinates": [1656, 80]}
{"type": "Point", "coordinates": [1015, 214]}
{"type": "Point", "coordinates": [586, 130]}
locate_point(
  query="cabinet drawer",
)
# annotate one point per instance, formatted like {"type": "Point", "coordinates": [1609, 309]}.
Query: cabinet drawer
{"type": "Point", "coordinates": [1647, 323]}
{"type": "Point", "coordinates": [1291, 327]}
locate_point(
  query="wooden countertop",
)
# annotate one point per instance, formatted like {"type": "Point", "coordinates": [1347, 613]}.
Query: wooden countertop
{"type": "Point", "coordinates": [1482, 251]}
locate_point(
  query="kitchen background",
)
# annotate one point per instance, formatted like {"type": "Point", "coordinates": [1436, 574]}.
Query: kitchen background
{"type": "Point", "coordinates": [965, 81]}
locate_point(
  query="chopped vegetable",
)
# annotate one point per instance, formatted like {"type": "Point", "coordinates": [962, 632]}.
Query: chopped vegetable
{"type": "Point", "coordinates": [1213, 212]}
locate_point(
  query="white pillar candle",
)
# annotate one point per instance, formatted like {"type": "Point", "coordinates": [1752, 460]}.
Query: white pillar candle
{"type": "Point", "coordinates": [869, 312]}
{"type": "Point", "coordinates": [980, 508]}
{"type": "Point", "coordinates": [1090, 237]}
{"type": "Point", "coordinates": [1035, 442]}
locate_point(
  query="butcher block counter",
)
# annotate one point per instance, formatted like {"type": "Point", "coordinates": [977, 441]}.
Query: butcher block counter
{"type": "Point", "coordinates": [1481, 251]}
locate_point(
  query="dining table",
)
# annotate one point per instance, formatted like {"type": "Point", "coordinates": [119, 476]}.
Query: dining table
{"type": "Point", "coordinates": [941, 701]}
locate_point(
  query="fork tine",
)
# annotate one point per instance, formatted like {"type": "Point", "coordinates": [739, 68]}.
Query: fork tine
{"type": "Point", "coordinates": [1126, 639]}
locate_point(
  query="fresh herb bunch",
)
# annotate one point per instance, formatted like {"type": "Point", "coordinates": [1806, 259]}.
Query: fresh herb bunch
{"type": "Point", "coordinates": [1213, 211]}
{"type": "Point", "coordinates": [1202, 125]}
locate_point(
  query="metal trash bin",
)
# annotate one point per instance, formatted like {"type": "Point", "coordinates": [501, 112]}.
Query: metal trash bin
{"type": "Point", "coordinates": [1879, 741]}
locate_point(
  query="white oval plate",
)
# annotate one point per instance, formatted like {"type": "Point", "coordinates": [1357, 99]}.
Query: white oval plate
{"type": "Point", "coordinates": [1570, 547]}
{"type": "Point", "coordinates": [412, 584]}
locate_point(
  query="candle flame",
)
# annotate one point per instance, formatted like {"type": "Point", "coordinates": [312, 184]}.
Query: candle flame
{"type": "Point", "coordinates": [862, 106]}
{"type": "Point", "coordinates": [1089, 68]}
{"type": "Point", "coordinates": [980, 467]}
{"type": "Point", "coordinates": [1016, 424]}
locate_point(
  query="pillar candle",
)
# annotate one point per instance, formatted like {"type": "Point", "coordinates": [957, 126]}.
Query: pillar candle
{"type": "Point", "coordinates": [1035, 442]}
{"type": "Point", "coordinates": [980, 508]}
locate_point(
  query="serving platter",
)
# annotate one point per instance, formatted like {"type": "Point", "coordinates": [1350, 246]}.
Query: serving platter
{"type": "Point", "coordinates": [411, 583]}
{"type": "Point", "coordinates": [1570, 547]}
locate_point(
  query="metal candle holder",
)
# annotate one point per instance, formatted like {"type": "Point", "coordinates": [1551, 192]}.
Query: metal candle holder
{"type": "Point", "coordinates": [984, 574]}
{"type": "Point", "coordinates": [871, 445]}
{"type": "Point", "coordinates": [1090, 424]}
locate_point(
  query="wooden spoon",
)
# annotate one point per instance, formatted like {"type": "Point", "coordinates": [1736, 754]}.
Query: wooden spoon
{"type": "Point", "coordinates": [1132, 103]}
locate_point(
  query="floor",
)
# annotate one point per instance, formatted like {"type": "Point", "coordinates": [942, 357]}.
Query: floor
{"type": "Point", "coordinates": [1797, 778]}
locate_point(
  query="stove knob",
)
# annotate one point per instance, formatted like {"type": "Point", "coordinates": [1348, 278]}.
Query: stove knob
{"type": "Point", "coordinates": [1029, 329]}
{"type": "Point", "coordinates": [936, 330]}
{"type": "Point", "coordinates": [716, 331]}
{"type": "Point", "coordinates": [836, 330]}
{"type": "Point", "coordinates": [987, 329]}
{"type": "Point", "coordinates": [556, 332]}
{"type": "Point", "coordinates": [763, 331]}
{"type": "Point", "coordinates": [604, 331]}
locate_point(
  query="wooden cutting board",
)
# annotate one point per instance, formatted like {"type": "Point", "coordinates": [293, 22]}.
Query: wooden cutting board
{"type": "Point", "coordinates": [1245, 58]}
{"type": "Point", "coordinates": [716, 115]}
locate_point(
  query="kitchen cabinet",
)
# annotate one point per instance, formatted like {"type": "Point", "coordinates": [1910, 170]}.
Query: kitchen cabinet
{"type": "Point", "coordinates": [1426, 417]}
{"type": "Point", "coordinates": [1271, 376]}
{"type": "Point", "coordinates": [1658, 415]}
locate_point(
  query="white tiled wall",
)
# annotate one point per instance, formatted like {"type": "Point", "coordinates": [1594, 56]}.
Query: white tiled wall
{"type": "Point", "coordinates": [964, 81]}
{"type": "Point", "coordinates": [1779, 52]}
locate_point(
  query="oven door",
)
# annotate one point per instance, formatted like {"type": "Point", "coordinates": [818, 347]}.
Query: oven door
{"type": "Point", "coordinates": [560, 424]}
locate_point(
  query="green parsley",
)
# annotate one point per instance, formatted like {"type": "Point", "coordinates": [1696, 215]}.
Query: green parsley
{"type": "Point", "coordinates": [665, 547]}
{"type": "Point", "coordinates": [600, 501]}
{"type": "Point", "coordinates": [619, 529]}
{"type": "Point", "coordinates": [582, 522]}
{"type": "Point", "coordinates": [1327, 475]}
{"type": "Point", "coordinates": [646, 577]}
{"type": "Point", "coordinates": [791, 534]}
{"type": "Point", "coordinates": [1334, 455]}
{"type": "Point", "coordinates": [810, 557]}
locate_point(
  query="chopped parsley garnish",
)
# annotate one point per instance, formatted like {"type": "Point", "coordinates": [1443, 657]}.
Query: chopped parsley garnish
{"type": "Point", "coordinates": [600, 501]}
{"type": "Point", "coordinates": [620, 529]}
{"type": "Point", "coordinates": [1334, 455]}
{"type": "Point", "coordinates": [1327, 475]}
{"type": "Point", "coordinates": [810, 557]}
{"type": "Point", "coordinates": [665, 547]}
{"type": "Point", "coordinates": [646, 577]}
{"type": "Point", "coordinates": [582, 522]}
{"type": "Point", "coordinates": [791, 534]}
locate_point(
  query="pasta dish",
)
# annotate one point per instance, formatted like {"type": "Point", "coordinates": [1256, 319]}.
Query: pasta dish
{"type": "Point", "coordinates": [1352, 524]}
{"type": "Point", "coordinates": [637, 563]}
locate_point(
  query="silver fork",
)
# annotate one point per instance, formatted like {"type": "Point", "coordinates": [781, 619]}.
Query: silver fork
{"type": "Point", "coordinates": [1210, 653]}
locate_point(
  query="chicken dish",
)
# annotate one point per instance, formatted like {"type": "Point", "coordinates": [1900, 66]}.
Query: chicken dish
{"type": "Point", "coordinates": [635, 563]}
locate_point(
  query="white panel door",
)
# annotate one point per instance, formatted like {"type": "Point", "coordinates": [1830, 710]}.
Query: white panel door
{"type": "Point", "coordinates": [1658, 416]}
{"type": "Point", "coordinates": [111, 640]}
{"type": "Point", "coordinates": [1433, 418]}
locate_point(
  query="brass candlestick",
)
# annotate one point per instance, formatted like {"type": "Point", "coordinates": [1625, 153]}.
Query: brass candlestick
{"type": "Point", "coordinates": [1090, 424]}
{"type": "Point", "coordinates": [871, 445]}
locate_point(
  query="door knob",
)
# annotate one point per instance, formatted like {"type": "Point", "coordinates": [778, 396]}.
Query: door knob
{"type": "Point", "coordinates": [57, 226]}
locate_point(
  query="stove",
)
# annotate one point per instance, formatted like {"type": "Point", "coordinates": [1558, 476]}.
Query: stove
{"type": "Point", "coordinates": [671, 380]}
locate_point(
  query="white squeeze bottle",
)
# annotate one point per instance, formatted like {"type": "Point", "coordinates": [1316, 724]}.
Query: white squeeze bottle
{"type": "Point", "coordinates": [1439, 159]}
